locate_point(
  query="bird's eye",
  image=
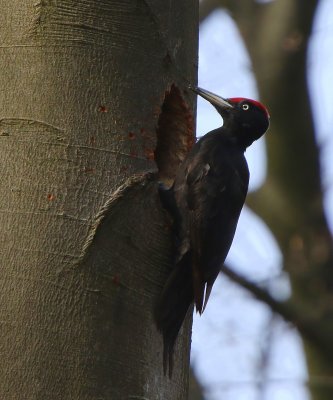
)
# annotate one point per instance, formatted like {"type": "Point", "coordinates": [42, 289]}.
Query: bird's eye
{"type": "Point", "coordinates": [245, 107]}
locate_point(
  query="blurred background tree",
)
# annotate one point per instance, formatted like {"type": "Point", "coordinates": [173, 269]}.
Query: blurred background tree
{"type": "Point", "coordinates": [277, 35]}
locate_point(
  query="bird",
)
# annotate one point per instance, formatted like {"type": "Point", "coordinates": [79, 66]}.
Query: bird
{"type": "Point", "coordinates": [205, 201]}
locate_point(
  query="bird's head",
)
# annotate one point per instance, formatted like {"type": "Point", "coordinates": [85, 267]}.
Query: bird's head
{"type": "Point", "coordinates": [246, 120]}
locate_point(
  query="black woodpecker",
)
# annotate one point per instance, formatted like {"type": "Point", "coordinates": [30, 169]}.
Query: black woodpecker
{"type": "Point", "coordinates": [205, 201]}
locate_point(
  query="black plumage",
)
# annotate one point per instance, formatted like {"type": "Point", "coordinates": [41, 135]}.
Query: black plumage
{"type": "Point", "coordinates": [206, 200]}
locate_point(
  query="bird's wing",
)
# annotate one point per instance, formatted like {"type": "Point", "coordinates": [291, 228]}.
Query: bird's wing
{"type": "Point", "coordinates": [216, 191]}
{"type": "Point", "coordinates": [205, 190]}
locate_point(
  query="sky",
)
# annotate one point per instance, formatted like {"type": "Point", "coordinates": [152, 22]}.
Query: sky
{"type": "Point", "coordinates": [240, 350]}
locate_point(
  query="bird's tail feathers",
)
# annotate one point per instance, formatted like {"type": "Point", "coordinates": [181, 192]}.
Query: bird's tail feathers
{"type": "Point", "coordinates": [199, 289]}
{"type": "Point", "coordinates": [208, 290]}
{"type": "Point", "coordinates": [171, 309]}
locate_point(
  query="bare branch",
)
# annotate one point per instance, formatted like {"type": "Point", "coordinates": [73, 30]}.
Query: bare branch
{"type": "Point", "coordinates": [284, 309]}
{"type": "Point", "coordinates": [290, 311]}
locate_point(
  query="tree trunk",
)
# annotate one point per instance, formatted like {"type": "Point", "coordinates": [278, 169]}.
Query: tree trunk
{"type": "Point", "coordinates": [85, 245]}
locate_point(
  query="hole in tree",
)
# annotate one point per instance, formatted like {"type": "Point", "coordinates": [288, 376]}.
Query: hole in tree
{"type": "Point", "coordinates": [175, 134]}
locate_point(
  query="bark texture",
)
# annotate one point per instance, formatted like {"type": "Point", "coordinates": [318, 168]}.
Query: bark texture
{"type": "Point", "coordinates": [85, 246]}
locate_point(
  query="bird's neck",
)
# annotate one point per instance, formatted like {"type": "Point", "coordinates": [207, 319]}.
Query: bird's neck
{"type": "Point", "coordinates": [236, 135]}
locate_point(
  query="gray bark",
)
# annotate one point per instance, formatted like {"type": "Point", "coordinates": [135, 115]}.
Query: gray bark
{"type": "Point", "coordinates": [85, 245]}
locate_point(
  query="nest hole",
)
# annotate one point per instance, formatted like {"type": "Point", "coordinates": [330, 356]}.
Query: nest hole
{"type": "Point", "coordinates": [175, 134]}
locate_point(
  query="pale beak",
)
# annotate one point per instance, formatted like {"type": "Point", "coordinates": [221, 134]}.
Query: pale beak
{"type": "Point", "coordinates": [214, 99]}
